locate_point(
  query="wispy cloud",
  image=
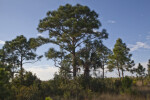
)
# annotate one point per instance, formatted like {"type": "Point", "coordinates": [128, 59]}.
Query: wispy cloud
{"type": "Point", "coordinates": [2, 42]}
{"type": "Point", "coordinates": [138, 45]}
{"type": "Point", "coordinates": [111, 21]}
{"type": "Point", "coordinates": [39, 34]}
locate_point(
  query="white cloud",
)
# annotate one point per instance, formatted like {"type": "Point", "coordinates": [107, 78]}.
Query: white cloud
{"type": "Point", "coordinates": [44, 73]}
{"type": "Point", "coordinates": [138, 45]}
{"type": "Point", "coordinates": [2, 42]}
{"type": "Point", "coordinates": [111, 21]}
{"type": "Point", "coordinates": [39, 34]}
{"type": "Point", "coordinates": [95, 30]}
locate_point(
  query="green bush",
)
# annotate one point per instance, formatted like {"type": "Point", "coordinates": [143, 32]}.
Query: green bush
{"type": "Point", "coordinates": [134, 82]}
{"type": "Point", "coordinates": [48, 98]}
{"type": "Point", "coordinates": [126, 83]}
{"type": "Point", "coordinates": [97, 85]}
{"type": "Point", "coordinates": [117, 85]}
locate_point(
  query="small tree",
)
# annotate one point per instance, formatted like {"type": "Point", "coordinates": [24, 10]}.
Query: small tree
{"type": "Point", "coordinates": [61, 60]}
{"type": "Point", "coordinates": [103, 54]}
{"type": "Point", "coordinates": [85, 57]}
{"type": "Point", "coordinates": [18, 52]}
{"type": "Point", "coordinates": [93, 55]}
{"type": "Point", "coordinates": [148, 68]}
{"type": "Point", "coordinates": [140, 70]}
{"type": "Point", "coordinates": [121, 58]}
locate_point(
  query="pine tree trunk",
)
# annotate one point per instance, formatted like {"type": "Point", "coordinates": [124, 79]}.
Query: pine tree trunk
{"type": "Point", "coordinates": [122, 74]}
{"type": "Point", "coordinates": [142, 80]}
{"type": "Point", "coordinates": [74, 64]}
{"type": "Point", "coordinates": [103, 69]}
{"type": "Point", "coordinates": [21, 69]}
{"type": "Point", "coordinates": [118, 71]}
{"type": "Point", "coordinates": [86, 71]}
{"type": "Point", "coordinates": [74, 59]}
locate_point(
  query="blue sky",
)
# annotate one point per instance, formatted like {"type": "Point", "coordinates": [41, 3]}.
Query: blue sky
{"type": "Point", "coordinates": [126, 19]}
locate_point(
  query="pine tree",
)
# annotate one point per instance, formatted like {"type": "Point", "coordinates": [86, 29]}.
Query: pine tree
{"type": "Point", "coordinates": [69, 26]}
{"type": "Point", "coordinates": [18, 52]}
{"type": "Point", "coordinates": [148, 68]}
{"type": "Point", "coordinates": [140, 70]}
{"type": "Point", "coordinates": [121, 58]}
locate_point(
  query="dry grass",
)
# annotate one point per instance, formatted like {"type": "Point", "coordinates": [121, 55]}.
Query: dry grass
{"type": "Point", "coordinates": [108, 96]}
{"type": "Point", "coordinates": [120, 97]}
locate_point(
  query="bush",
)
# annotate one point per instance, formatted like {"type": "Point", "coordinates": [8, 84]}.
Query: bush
{"type": "Point", "coordinates": [117, 85]}
{"type": "Point", "coordinates": [134, 82]}
{"type": "Point", "coordinates": [126, 83]}
{"type": "Point", "coordinates": [97, 85]}
{"type": "Point", "coordinates": [48, 98]}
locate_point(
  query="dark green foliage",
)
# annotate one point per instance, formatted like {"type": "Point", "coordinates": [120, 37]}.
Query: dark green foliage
{"type": "Point", "coordinates": [126, 82]}
{"type": "Point", "coordinates": [18, 52]}
{"type": "Point", "coordinates": [117, 85]}
{"type": "Point", "coordinates": [28, 79]}
{"type": "Point", "coordinates": [98, 85]}
{"type": "Point", "coordinates": [124, 85]}
{"type": "Point", "coordinates": [36, 42]}
{"type": "Point", "coordinates": [148, 67]}
{"type": "Point", "coordinates": [27, 88]}
{"type": "Point", "coordinates": [69, 26]}
{"type": "Point", "coordinates": [140, 70]}
{"type": "Point", "coordinates": [102, 55]}
{"type": "Point", "coordinates": [93, 56]}
{"type": "Point", "coordinates": [4, 84]}
{"type": "Point", "coordinates": [28, 93]}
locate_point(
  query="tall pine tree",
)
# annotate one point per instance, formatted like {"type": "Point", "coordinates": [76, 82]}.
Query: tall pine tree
{"type": "Point", "coordinates": [69, 26]}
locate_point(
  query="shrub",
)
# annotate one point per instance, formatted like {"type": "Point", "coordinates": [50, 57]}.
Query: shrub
{"type": "Point", "coordinates": [126, 82]}
{"type": "Point", "coordinates": [134, 82]}
{"type": "Point", "coordinates": [48, 98]}
{"type": "Point", "coordinates": [117, 85]}
{"type": "Point", "coordinates": [126, 85]}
